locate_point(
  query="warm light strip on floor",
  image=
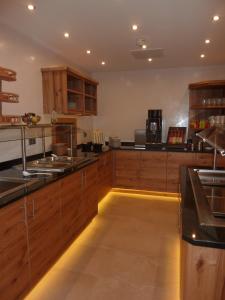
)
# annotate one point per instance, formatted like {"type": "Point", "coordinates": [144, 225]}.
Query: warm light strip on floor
{"type": "Point", "coordinates": [147, 194]}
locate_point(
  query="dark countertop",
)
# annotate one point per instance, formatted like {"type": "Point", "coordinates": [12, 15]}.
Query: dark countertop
{"type": "Point", "coordinates": [160, 148]}
{"type": "Point", "coordinates": [206, 236]}
{"type": "Point", "coordinates": [41, 181]}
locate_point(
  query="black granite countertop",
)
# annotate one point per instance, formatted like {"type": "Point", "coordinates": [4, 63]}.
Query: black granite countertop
{"type": "Point", "coordinates": [192, 232]}
{"type": "Point", "coordinates": [161, 148]}
{"type": "Point", "coordinates": [40, 180]}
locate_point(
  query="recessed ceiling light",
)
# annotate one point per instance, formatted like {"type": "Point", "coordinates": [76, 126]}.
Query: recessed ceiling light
{"type": "Point", "coordinates": [202, 55]}
{"type": "Point", "coordinates": [31, 7]}
{"type": "Point", "coordinates": [149, 59]}
{"type": "Point", "coordinates": [216, 18]}
{"type": "Point", "coordinates": [66, 35]}
{"type": "Point", "coordinates": [207, 41]}
{"type": "Point", "coordinates": [134, 27]}
{"type": "Point", "coordinates": [32, 58]}
{"type": "Point", "coordinates": [88, 51]}
{"type": "Point", "coordinates": [103, 63]}
{"type": "Point", "coordinates": [144, 46]}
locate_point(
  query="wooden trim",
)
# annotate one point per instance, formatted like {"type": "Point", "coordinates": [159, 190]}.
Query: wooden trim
{"type": "Point", "coordinates": [207, 84]}
{"type": "Point", "coordinates": [7, 74]}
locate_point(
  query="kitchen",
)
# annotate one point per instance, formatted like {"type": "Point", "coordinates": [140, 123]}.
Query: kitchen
{"type": "Point", "coordinates": [50, 35]}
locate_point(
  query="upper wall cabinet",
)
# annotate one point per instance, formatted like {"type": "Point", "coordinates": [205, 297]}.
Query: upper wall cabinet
{"type": "Point", "coordinates": [68, 92]}
{"type": "Point", "coordinates": [206, 104]}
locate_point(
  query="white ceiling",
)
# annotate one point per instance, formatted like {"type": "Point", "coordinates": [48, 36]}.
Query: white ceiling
{"type": "Point", "coordinates": [104, 26]}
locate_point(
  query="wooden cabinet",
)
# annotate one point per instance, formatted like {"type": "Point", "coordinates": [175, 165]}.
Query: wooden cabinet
{"type": "Point", "coordinates": [90, 190]}
{"type": "Point", "coordinates": [204, 159]}
{"type": "Point", "coordinates": [174, 161]}
{"type": "Point", "coordinates": [69, 92]}
{"type": "Point", "coordinates": [72, 206]}
{"type": "Point", "coordinates": [105, 174]}
{"type": "Point", "coordinates": [202, 272]}
{"type": "Point", "coordinates": [206, 99]}
{"type": "Point", "coordinates": [44, 230]}
{"type": "Point", "coordinates": [14, 263]}
{"type": "Point", "coordinates": [152, 174]}
{"type": "Point", "coordinates": [127, 169]}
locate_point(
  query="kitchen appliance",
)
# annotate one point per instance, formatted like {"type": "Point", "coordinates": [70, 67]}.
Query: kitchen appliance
{"type": "Point", "coordinates": [114, 142]}
{"type": "Point", "coordinates": [140, 138]}
{"type": "Point", "coordinates": [154, 126]}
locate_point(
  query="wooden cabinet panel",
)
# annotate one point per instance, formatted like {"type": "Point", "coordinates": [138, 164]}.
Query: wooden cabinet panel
{"type": "Point", "coordinates": [14, 264]}
{"type": "Point", "coordinates": [153, 171]}
{"type": "Point", "coordinates": [72, 206]}
{"type": "Point", "coordinates": [90, 194]}
{"type": "Point", "coordinates": [127, 168]}
{"type": "Point", "coordinates": [105, 174]}
{"type": "Point", "coordinates": [174, 161]}
{"type": "Point", "coordinates": [44, 230]}
{"type": "Point", "coordinates": [202, 273]}
{"type": "Point", "coordinates": [204, 159]}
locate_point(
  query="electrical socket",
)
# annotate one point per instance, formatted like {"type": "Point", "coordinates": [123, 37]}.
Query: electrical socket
{"type": "Point", "coordinates": [32, 141]}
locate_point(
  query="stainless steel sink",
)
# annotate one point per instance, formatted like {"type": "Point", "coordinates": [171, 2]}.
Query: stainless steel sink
{"type": "Point", "coordinates": [9, 185]}
{"type": "Point", "coordinates": [56, 164]}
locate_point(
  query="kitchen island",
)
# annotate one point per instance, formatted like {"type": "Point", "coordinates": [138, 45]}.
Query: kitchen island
{"type": "Point", "coordinates": [202, 251]}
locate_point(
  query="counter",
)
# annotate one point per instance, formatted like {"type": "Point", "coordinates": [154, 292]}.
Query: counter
{"type": "Point", "coordinates": [41, 180]}
{"type": "Point", "coordinates": [192, 232]}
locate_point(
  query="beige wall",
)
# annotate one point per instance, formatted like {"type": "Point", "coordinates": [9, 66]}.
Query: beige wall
{"type": "Point", "coordinates": [26, 58]}
{"type": "Point", "coordinates": [125, 97]}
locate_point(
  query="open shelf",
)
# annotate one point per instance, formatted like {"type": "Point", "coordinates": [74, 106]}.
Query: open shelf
{"type": "Point", "coordinates": [9, 97]}
{"type": "Point", "coordinates": [7, 74]}
{"type": "Point", "coordinates": [207, 107]}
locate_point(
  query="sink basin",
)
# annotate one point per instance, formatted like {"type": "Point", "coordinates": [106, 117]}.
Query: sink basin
{"type": "Point", "coordinates": [9, 185]}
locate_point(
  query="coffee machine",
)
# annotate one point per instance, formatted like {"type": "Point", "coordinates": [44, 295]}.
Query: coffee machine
{"type": "Point", "coordinates": [154, 127]}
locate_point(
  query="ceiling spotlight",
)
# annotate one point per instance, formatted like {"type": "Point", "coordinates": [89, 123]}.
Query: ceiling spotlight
{"type": "Point", "coordinates": [207, 41]}
{"type": "Point", "coordinates": [149, 59]}
{"type": "Point", "coordinates": [216, 18]}
{"type": "Point", "coordinates": [66, 35]}
{"type": "Point", "coordinates": [103, 63]}
{"type": "Point", "coordinates": [134, 27]}
{"type": "Point", "coordinates": [31, 7]}
{"type": "Point", "coordinates": [88, 51]}
{"type": "Point", "coordinates": [202, 55]}
{"type": "Point", "coordinates": [144, 46]}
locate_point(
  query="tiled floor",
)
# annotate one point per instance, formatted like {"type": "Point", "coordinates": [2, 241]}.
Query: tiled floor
{"type": "Point", "coordinates": [129, 251]}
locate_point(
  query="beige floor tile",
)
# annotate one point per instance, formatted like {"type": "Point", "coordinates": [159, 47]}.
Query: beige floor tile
{"type": "Point", "coordinates": [129, 251]}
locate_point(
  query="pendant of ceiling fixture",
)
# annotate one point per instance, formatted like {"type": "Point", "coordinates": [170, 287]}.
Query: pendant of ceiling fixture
{"type": "Point", "coordinates": [143, 52]}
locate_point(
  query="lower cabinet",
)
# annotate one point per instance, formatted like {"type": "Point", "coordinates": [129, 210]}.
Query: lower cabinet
{"type": "Point", "coordinates": [44, 230]}
{"type": "Point", "coordinates": [174, 161]}
{"type": "Point", "coordinates": [14, 260]}
{"type": "Point", "coordinates": [90, 190]}
{"type": "Point", "coordinates": [152, 174]}
{"type": "Point", "coordinates": [105, 174]}
{"type": "Point", "coordinates": [202, 272]}
{"type": "Point", "coordinates": [72, 206]}
{"type": "Point", "coordinates": [155, 171]}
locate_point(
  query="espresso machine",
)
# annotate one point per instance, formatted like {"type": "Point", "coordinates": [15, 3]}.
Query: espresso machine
{"type": "Point", "coordinates": [154, 127]}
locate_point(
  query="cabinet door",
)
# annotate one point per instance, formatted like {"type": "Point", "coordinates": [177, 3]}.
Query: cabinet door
{"type": "Point", "coordinates": [174, 162]}
{"type": "Point", "coordinates": [55, 91]}
{"type": "Point", "coordinates": [127, 169]}
{"type": "Point", "coordinates": [13, 251]}
{"type": "Point", "coordinates": [105, 174]}
{"type": "Point", "coordinates": [90, 192]}
{"type": "Point", "coordinates": [43, 210]}
{"type": "Point", "coordinates": [72, 206]}
{"type": "Point", "coordinates": [204, 160]}
{"type": "Point", "coordinates": [153, 171]}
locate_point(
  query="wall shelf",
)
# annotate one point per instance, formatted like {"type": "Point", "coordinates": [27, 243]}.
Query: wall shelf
{"type": "Point", "coordinates": [9, 97]}
{"type": "Point", "coordinates": [7, 74]}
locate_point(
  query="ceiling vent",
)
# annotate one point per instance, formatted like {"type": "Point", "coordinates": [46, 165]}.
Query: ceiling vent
{"type": "Point", "coordinates": [147, 53]}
